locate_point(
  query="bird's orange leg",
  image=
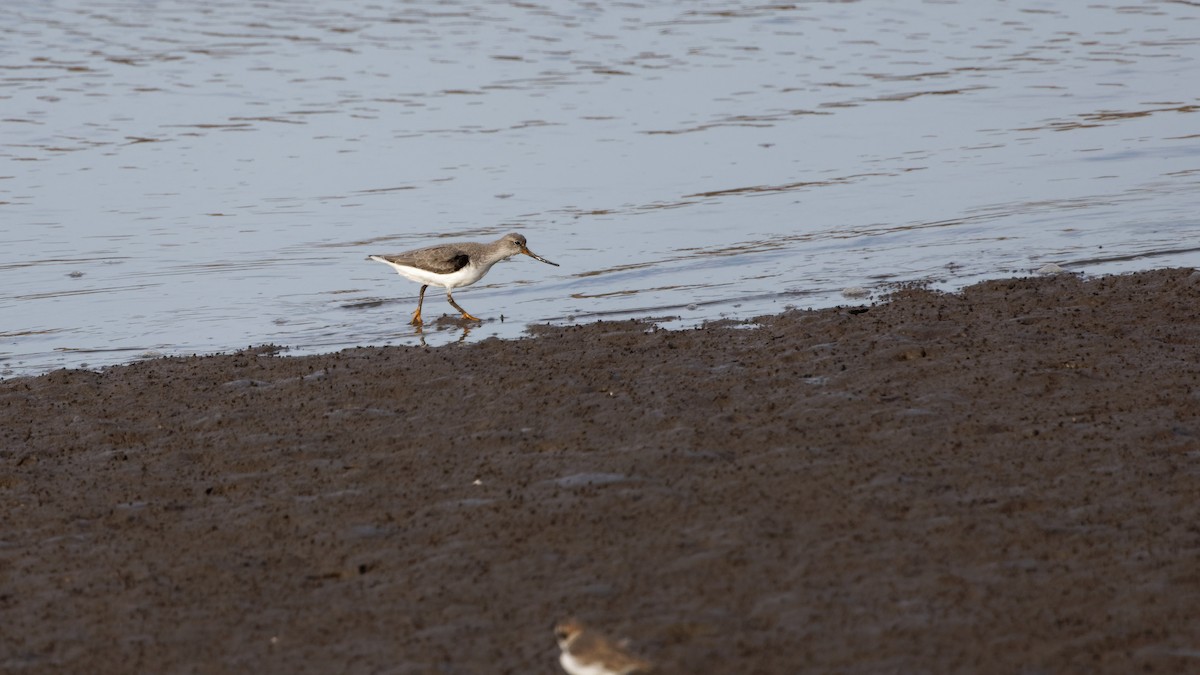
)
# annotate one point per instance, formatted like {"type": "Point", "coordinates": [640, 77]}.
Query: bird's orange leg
{"type": "Point", "coordinates": [416, 319]}
{"type": "Point", "coordinates": [465, 313]}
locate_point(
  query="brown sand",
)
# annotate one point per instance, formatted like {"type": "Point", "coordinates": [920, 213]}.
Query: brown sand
{"type": "Point", "coordinates": [1002, 480]}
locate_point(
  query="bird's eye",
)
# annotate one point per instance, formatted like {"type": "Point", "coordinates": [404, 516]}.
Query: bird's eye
{"type": "Point", "coordinates": [561, 634]}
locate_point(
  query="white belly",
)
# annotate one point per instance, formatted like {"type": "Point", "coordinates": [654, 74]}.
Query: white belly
{"type": "Point", "coordinates": [574, 667]}
{"type": "Point", "coordinates": [463, 277]}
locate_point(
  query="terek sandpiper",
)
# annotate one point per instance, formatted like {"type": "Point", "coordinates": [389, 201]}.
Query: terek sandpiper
{"type": "Point", "coordinates": [586, 651]}
{"type": "Point", "coordinates": [454, 265]}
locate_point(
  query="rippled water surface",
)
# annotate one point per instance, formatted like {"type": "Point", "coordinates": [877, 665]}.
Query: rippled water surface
{"type": "Point", "coordinates": [186, 177]}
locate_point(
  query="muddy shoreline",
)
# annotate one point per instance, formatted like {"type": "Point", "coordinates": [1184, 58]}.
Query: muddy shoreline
{"type": "Point", "coordinates": [1006, 479]}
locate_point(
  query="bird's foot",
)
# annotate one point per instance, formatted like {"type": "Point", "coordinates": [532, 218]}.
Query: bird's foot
{"type": "Point", "coordinates": [416, 320]}
{"type": "Point", "coordinates": [468, 317]}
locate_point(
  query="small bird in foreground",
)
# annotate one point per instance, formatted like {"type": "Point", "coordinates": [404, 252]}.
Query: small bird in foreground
{"type": "Point", "coordinates": [589, 652]}
{"type": "Point", "coordinates": [454, 265]}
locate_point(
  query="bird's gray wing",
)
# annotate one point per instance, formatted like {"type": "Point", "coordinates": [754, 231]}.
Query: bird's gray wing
{"type": "Point", "coordinates": [438, 259]}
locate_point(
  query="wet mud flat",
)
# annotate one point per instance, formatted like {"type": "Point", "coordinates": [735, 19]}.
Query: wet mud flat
{"type": "Point", "coordinates": [1001, 480]}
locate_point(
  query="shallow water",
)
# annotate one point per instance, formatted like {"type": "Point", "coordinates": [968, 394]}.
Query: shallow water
{"type": "Point", "coordinates": [181, 177]}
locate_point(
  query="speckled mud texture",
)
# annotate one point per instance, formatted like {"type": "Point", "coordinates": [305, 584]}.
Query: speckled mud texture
{"type": "Point", "coordinates": [1003, 480]}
